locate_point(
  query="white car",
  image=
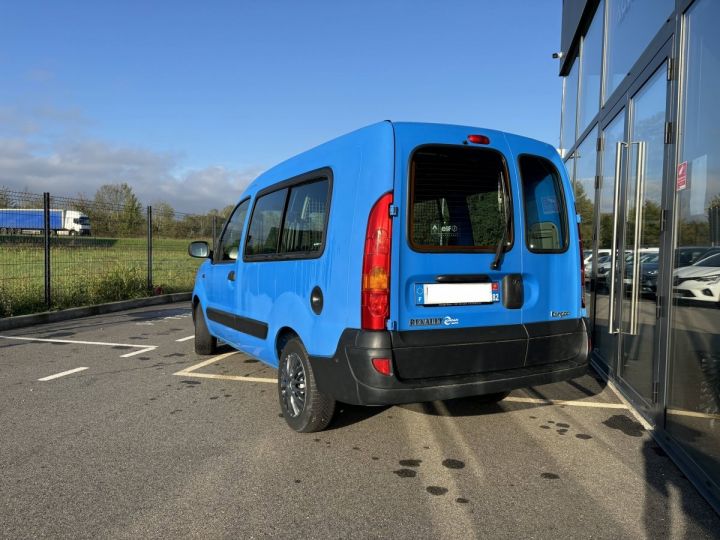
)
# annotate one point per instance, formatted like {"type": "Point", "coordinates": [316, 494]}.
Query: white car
{"type": "Point", "coordinates": [588, 254]}
{"type": "Point", "coordinates": [699, 281]}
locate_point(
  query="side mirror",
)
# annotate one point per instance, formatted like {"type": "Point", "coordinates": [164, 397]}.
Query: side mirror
{"type": "Point", "coordinates": [200, 249]}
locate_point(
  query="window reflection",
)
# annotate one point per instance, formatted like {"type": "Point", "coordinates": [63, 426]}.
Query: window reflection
{"type": "Point", "coordinates": [693, 415]}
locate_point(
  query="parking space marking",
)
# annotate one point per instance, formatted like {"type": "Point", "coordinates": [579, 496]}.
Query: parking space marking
{"type": "Point", "coordinates": [185, 338]}
{"type": "Point", "coordinates": [58, 375]}
{"type": "Point", "coordinates": [190, 371]}
{"type": "Point", "coordinates": [593, 404]}
{"type": "Point", "coordinates": [143, 348]}
{"type": "Point", "coordinates": [693, 414]}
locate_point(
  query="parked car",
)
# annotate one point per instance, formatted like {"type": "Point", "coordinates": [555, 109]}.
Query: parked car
{"type": "Point", "coordinates": [588, 268]}
{"type": "Point", "coordinates": [400, 263]}
{"type": "Point", "coordinates": [649, 264]}
{"type": "Point", "coordinates": [588, 257]}
{"type": "Point", "coordinates": [687, 255]}
{"type": "Point", "coordinates": [700, 281]}
{"type": "Point", "coordinates": [603, 282]}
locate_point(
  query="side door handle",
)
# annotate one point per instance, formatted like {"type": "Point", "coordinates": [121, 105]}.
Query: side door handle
{"type": "Point", "coordinates": [231, 275]}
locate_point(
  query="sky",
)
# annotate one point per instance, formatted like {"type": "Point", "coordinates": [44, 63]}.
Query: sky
{"type": "Point", "coordinates": [189, 101]}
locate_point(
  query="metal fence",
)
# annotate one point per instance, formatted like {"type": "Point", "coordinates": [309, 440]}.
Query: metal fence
{"type": "Point", "coordinates": [60, 252]}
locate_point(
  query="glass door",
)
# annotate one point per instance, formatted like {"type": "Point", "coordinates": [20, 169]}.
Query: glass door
{"type": "Point", "coordinates": [640, 256]}
{"type": "Point", "coordinates": [604, 336]}
{"type": "Point", "coordinates": [630, 199]}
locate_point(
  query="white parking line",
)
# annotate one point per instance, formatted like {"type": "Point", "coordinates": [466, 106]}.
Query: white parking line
{"type": "Point", "coordinates": [190, 371]}
{"type": "Point", "coordinates": [593, 404]}
{"type": "Point", "coordinates": [143, 348]}
{"type": "Point", "coordinates": [146, 349]}
{"type": "Point", "coordinates": [185, 338]}
{"type": "Point", "coordinates": [58, 375]}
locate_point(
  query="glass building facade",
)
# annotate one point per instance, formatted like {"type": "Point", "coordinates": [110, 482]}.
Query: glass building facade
{"type": "Point", "coordinates": [640, 135]}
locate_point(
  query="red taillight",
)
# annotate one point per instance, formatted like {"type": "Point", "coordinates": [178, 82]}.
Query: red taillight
{"type": "Point", "coordinates": [478, 139]}
{"type": "Point", "coordinates": [582, 269]}
{"type": "Point", "coordinates": [382, 366]}
{"type": "Point", "coordinates": [375, 300]}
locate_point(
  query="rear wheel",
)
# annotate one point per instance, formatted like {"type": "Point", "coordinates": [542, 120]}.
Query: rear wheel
{"type": "Point", "coordinates": [303, 406]}
{"type": "Point", "coordinates": [204, 342]}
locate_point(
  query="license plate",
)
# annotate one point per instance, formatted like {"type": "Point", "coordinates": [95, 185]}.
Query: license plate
{"type": "Point", "coordinates": [448, 294]}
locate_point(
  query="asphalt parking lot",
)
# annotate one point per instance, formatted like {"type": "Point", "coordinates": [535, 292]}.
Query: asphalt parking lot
{"type": "Point", "coordinates": [150, 440]}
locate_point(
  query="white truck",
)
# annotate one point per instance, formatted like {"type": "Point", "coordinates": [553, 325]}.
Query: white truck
{"type": "Point", "coordinates": [32, 221]}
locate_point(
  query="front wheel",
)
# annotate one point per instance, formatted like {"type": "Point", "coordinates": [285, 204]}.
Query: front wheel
{"type": "Point", "coordinates": [303, 406]}
{"type": "Point", "coordinates": [204, 342]}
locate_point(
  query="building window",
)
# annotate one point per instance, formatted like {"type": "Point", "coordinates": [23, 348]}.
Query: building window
{"type": "Point", "coordinates": [569, 108]}
{"type": "Point", "coordinates": [590, 78]}
{"type": "Point", "coordinates": [584, 184]}
{"type": "Point", "coordinates": [693, 410]}
{"type": "Point", "coordinates": [631, 25]}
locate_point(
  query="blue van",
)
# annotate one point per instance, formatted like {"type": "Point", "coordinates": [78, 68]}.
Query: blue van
{"type": "Point", "coordinates": [402, 262]}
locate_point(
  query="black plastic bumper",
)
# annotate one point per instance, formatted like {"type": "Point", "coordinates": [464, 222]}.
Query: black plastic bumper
{"type": "Point", "coordinates": [443, 364]}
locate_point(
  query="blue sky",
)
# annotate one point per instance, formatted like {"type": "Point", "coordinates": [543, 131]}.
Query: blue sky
{"type": "Point", "coordinates": [187, 101]}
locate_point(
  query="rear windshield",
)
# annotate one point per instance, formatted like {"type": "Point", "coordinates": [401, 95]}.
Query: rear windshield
{"type": "Point", "coordinates": [545, 213]}
{"type": "Point", "coordinates": [459, 199]}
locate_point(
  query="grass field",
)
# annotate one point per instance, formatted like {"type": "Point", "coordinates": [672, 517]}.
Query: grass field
{"type": "Point", "coordinates": [87, 271]}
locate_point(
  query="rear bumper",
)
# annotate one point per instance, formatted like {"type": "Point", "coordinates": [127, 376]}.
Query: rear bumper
{"type": "Point", "coordinates": [443, 364]}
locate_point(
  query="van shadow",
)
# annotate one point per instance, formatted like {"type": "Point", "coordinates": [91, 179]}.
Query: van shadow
{"type": "Point", "coordinates": [468, 406]}
{"type": "Point", "coordinates": [348, 415]}
{"type": "Point", "coordinates": [588, 385]}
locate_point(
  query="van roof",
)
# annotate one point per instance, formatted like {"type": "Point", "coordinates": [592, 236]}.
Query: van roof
{"type": "Point", "coordinates": [387, 128]}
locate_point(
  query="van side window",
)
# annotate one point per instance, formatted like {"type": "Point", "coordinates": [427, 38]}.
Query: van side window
{"type": "Point", "coordinates": [264, 230]}
{"type": "Point", "coordinates": [230, 242]}
{"type": "Point", "coordinates": [545, 212]}
{"type": "Point", "coordinates": [460, 197]}
{"type": "Point", "coordinates": [304, 222]}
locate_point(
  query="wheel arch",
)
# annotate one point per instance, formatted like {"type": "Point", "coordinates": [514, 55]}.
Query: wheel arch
{"type": "Point", "coordinates": [284, 335]}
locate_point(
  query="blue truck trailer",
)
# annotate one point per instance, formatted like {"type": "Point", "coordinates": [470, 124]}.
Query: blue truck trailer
{"type": "Point", "coordinates": [32, 221]}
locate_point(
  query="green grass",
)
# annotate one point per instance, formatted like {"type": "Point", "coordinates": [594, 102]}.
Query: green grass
{"type": "Point", "coordinates": [88, 271]}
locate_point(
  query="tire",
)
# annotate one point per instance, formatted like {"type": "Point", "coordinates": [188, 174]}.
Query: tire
{"type": "Point", "coordinates": [493, 398]}
{"type": "Point", "coordinates": [204, 342]}
{"type": "Point", "coordinates": [303, 406]}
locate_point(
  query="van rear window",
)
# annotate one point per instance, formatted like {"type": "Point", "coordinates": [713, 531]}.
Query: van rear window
{"type": "Point", "coordinates": [545, 212]}
{"type": "Point", "coordinates": [459, 199]}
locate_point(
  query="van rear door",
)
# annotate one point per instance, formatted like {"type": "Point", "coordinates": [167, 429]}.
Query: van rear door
{"type": "Point", "coordinates": [457, 251]}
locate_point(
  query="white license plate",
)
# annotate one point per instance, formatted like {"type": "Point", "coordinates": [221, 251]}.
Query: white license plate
{"type": "Point", "coordinates": [443, 294]}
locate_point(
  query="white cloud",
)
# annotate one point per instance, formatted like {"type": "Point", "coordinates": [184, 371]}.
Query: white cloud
{"type": "Point", "coordinates": [71, 169]}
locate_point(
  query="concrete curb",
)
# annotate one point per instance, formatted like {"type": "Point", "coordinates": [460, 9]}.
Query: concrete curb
{"type": "Point", "coordinates": [99, 309]}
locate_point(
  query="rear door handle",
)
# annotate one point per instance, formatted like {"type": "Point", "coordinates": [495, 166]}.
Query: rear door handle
{"type": "Point", "coordinates": [231, 275]}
